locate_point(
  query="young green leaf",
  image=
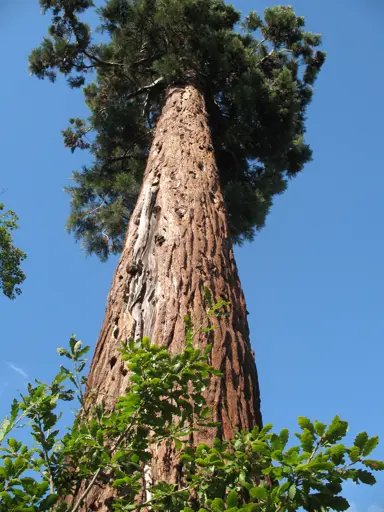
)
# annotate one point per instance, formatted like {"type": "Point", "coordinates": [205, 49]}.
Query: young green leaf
{"type": "Point", "coordinates": [376, 465]}
{"type": "Point", "coordinates": [292, 491]}
{"type": "Point", "coordinates": [320, 428]}
{"type": "Point", "coordinates": [360, 440]}
{"type": "Point", "coordinates": [354, 453]}
{"type": "Point", "coordinates": [258, 493]}
{"type": "Point", "coordinates": [307, 440]}
{"type": "Point", "coordinates": [232, 499]}
{"type": "Point", "coordinates": [305, 423]}
{"type": "Point", "coordinates": [218, 505]}
{"type": "Point", "coordinates": [370, 445]}
{"type": "Point", "coordinates": [336, 431]}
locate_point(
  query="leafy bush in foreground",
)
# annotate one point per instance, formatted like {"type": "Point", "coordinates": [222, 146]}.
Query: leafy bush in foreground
{"type": "Point", "coordinates": [256, 471]}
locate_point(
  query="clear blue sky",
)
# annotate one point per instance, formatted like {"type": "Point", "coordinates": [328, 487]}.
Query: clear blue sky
{"type": "Point", "coordinates": [313, 278]}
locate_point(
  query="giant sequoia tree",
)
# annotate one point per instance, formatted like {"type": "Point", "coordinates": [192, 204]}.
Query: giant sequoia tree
{"type": "Point", "coordinates": [196, 123]}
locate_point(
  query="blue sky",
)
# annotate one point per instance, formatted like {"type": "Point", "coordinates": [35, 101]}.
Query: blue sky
{"type": "Point", "coordinates": [313, 278]}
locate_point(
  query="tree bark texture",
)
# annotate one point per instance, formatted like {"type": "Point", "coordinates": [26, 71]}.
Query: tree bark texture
{"type": "Point", "coordinates": [178, 244]}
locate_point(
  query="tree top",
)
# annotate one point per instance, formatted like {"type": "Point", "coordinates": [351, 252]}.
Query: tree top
{"type": "Point", "coordinates": [256, 74]}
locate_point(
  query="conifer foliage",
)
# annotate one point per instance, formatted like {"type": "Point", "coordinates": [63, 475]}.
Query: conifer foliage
{"type": "Point", "coordinates": [257, 83]}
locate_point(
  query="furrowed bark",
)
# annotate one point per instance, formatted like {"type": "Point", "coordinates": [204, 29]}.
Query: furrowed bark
{"type": "Point", "coordinates": [177, 245]}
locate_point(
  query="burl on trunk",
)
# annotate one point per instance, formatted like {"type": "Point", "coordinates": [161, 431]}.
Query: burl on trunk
{"type": "Point", "coordinates": [177, 245]}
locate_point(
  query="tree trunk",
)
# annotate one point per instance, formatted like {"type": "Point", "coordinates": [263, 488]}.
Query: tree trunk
{"type": "Point", "coordinates": [178, 244]}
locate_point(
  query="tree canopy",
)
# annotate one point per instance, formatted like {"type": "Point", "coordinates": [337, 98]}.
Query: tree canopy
{"type": "Point", "coordinates": [11, 275]}
{"type": "Point", "coordinates": [256, 74]}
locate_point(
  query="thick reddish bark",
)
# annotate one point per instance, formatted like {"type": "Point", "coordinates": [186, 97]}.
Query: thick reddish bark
{"type": "Point", "coordinates": [178, 244]}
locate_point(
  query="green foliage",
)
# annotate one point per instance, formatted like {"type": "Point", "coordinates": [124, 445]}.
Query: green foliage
{"type": "Point", "coordinates": [11, 275]}
{"type": "Point", "coordinates": [257, 85]}
{"type": "Point", "coordinates": [164, 403]}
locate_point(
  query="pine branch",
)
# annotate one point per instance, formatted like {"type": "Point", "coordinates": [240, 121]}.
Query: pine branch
{"type": "Point", "coordinates": [100, 61]}
{"type": "Point", "coordinates": [144, 88]}
{"type": "Point", "coordinates": [144, 60]}
{"type": "Point", "coordinates": [274, 51]}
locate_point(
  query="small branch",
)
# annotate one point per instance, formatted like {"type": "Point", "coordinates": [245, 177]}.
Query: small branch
{"type": "Point", "coordinates": [143, 61]}
{"type": "Point", "coordinates": [275, 52]}
{"type": "Point", "coordinates": [136, 93]}
{"type": "Point", "coordinates": [118, 158]}
{"type": "Point", "coordinates": [145, 104]}
{"type": "Point", "coordinates": [97, 473]}
{"type": "Point", "coordinates": [314, 451]}
{"type": "Point", "coordinates": [46, 455]}
{"type": "Point", "coordinates": [260, 44]}
{"type": "Point", "coordinates": [144, 88]}
{"type": "Point", "coordinates": [100, 61]}
{"type": "Point", "coordinates": [126, 154]}
{"type": "Point", "coordinates": [267, 56]}
{"type": "Point", "coordinates": [86, 214]}
{"type": "Point", "coordinates": [86, 492]}
{"type": "Point", "coordinates": [82, 67]}
{"type": "Point", "coordinates": [20, 418]}
{"type": "Point", "coordinates": [160, 498]}
{"type": "Point", "coordinates": [116, 445]}
{"type": "Point", "coordinates": [81, 397]}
